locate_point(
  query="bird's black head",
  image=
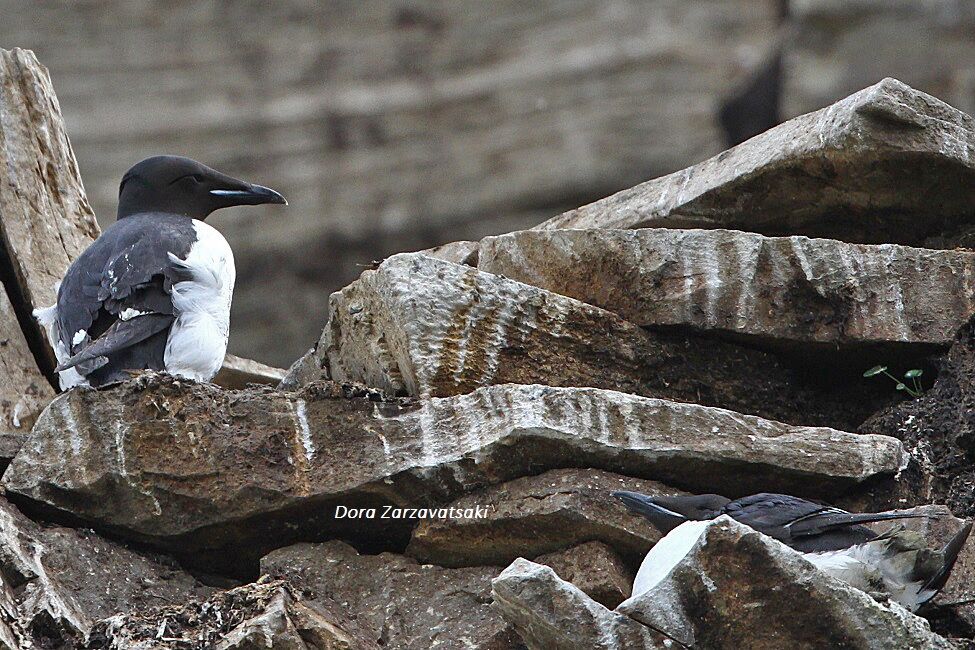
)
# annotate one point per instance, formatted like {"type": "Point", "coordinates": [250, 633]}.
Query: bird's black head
{"type": "Point", "coordinates": [666, 513]}
{"type": "Point", "coordinates": [178, 185]}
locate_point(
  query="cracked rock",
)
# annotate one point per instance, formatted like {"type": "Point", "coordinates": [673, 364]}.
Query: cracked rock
{"type": "Point", "coordinates": [397, 602]}
{"type": "Point", "coordinates": [425, 327]}
{"type": "Point", "coordinates": [552, 614]}
{"type": "Point", "coordinates": [45, 218]}
{"type": "Point", "coordinates": [596, 569]}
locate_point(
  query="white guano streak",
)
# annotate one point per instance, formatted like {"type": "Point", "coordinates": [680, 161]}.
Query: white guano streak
{"type": "Point", "coordinates": [306, 442]}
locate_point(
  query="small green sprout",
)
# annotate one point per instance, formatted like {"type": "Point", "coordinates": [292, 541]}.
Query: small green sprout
{"type": "Point", "coordinates": [911, 384]}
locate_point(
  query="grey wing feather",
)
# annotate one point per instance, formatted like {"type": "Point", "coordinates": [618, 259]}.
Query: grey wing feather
{"type": "Point", "coordinates": [821, 522]}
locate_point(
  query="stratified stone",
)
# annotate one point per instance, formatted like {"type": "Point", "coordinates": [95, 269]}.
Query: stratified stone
{"type": "Point", "coordinates": [886, 164]}
{"type": "Point", "coordinates": [552, 614]}
{"type": "Point", "coordinates": [395, 601]}
{"type": "Point", "coordinates": [425, 327]}
{"type": "Point", "coordinates": [265, 614]}
{"type": "Point", "coordinates": [594, 568]}
{"type": "Point", "coordinates": [736, 588]}
{"type": "Point", "coordinates": [24, 390]}
{"type": "Point", "coordinates": [56, 582]}
{"type": "Point", "coordinates": [218, 476]}
{"type": "Point", "coordinates": [539, 514]}
{"type": "Point", "coordinates": [790, 291]}
{"type": "Point", "coordinates": [45, 218]}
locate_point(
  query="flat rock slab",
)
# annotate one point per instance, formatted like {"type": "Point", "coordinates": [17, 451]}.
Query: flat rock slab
{"type": "Point", "coordinates": [788, 290]}
{"type": "Point", "coordinates": [534, 515]}
{"type": "Point", "coordinates": [424, 327]}
{"type": "Point", "coordinates": [24, 390]}
{"type": "Point", "coordinates": [266, 614]}
{"type": "Point", "coordinates": [45, 218]}
{"type": "Point", "coordinates": [197, 469]}
{"type": "Point", "coordinates": [57, 582]}
{"type": "Point", "coordinates": [552, 614]}
{"type": "Point", "coordinates": [886, 164]}
{"type": "Point", "coordinates": [397, 601]}
{"type": "Point", "coordinates": [790, 603]}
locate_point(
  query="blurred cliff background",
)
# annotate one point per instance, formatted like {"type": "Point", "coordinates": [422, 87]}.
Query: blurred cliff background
{"type": "Point", "coordinates": [398, 125]}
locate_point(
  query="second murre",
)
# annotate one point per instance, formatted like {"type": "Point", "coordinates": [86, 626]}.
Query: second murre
{"type": "Point", "coordinates": [394, 512]}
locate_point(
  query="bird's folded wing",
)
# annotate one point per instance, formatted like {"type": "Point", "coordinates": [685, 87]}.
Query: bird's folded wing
{"type": "Point", "coordinates": [120, 335]}
{"type": "Point", "coordinates": [128, 281]}
{"type": "Point", "coordinates": [773, 511]}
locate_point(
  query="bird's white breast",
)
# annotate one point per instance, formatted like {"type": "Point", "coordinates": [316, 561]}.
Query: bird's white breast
{"type": "Point", "coordinates": [198, 338]}
{"type": "Point", "coordinates": [872, 567]}
{"type": "Point", "coordinates": [667, 554]}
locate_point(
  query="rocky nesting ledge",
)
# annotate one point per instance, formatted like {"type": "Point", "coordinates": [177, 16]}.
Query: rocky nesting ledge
{"type": "Point", "coordinates": [437, 472]}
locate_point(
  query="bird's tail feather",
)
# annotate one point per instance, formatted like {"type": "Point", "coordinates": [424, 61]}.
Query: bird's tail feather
{"type": "Point", "coordinates": [121, 334]}
{"type": "Point", "coordinates": [818, 522]}
{"type": "Point", "coordinates": [950, 552]}
{"type": "Point", "coordinates": [870, 517]}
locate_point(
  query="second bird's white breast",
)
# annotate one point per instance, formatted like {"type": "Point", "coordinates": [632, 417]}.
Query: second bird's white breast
{"type": "Point", "coordinates": [198, 338]}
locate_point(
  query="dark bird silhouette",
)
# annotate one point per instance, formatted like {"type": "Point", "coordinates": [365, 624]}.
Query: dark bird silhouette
{"type": "Point", "coordinates": [897, 564]}
{"type": "Point", "coordinates": [803, 525]}
{"type": "Point", "coordinates": [154, 290]}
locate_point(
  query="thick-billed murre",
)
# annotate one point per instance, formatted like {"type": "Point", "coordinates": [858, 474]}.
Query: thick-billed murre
{"type": "Point", "coordinates": [897, 564]}
{"type": "Point", "coordinates": [803, 525]}
{"type": "Point", "coordinates": [154, 290]}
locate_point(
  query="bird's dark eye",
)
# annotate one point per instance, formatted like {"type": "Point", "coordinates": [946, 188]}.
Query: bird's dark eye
{"type": "Point", "coordinates": [196, 178]}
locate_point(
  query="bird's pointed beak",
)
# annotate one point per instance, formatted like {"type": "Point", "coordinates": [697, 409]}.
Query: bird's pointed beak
{"type": "Point", "coordinates": [248, 194]}
{"type": "Point", "coordinates": [659, 516]}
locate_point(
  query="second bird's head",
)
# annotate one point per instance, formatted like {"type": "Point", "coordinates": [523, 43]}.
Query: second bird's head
{"type": "Point", "coordinates": [177, 185]}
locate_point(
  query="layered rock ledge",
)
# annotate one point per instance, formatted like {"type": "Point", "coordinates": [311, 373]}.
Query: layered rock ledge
{"type": "Point", "coordinates": [425, 327]}
{"type": "Point", "coordinates": [534, 515]}
{"type": "Point", "coordinates": [791, 291]}
{"type": "Point", "coordinates": [200, 470]}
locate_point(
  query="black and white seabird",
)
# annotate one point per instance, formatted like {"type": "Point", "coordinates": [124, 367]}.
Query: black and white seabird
{"type": "Point", "coordinates": [897, 564]}
{"type": "Point", "coordinates": [803, 525]}
{"type": "Point", "coordinates": [154, 290]}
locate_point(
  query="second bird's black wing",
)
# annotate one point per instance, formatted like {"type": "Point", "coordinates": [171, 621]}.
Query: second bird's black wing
{"type": "Point", "coordinates": [806, 525]}
{"type": "Point", "coordinates": [773, 514]}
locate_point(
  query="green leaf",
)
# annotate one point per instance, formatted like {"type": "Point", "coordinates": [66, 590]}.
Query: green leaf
{"type": "Point", "coordinates": [911, 374]}
{"type": "Point", "coordinates": [901, 387]}
{"type": "Point", "coordinates": [876, 370]}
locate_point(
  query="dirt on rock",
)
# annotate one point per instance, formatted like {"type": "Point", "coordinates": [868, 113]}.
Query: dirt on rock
{"type": "Point", "coordinates": [938, 430]}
